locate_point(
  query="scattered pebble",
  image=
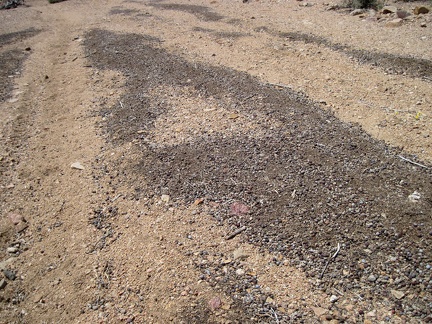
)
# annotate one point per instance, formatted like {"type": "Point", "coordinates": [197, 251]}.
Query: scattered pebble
{"type": "Point", "coordinates": [215, 303]}
{"type": "Point", "coordinates": [372, 278]}
{"type": "Point", "coordinates": [3, 284]}
{"type": "Point", "coordinates": [333, 298]}
{"type": "Point", "coordinates": [77, 166]}
{"type": "Point", "coordinates": [12, 249]}
{"type": "Point", "coordinates": [398, 294]}
{"type": "Point", "coordinates": [239, 254]}
{"type": "Point", "coordinates": [414, 197]}
{"type": "Point", "coordinates": [16, 218]}
{"type": "Point", "coordinates": [9, 274]}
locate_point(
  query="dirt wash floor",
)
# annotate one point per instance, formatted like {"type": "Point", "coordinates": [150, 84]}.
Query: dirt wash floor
{"type": "Point", "coordinates": [214, 162]}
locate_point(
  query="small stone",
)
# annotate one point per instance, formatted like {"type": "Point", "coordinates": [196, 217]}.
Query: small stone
{"type": "Point", "coordinates": [16, 218]}
{"type": "Point", "coordinates": [333, 298]}
{"type": "Point", "coordinates": [4, 264]}
{"type": "Point", "coordinates": [199, 201]}
{"type": "Point", "coordinates": [215, 303]}
{"type": "Point", "coordinates": [402, 14]}
{"type": "Point", "coordinates": [165, 198]}
{"type": "Point", "coordinates": [240, 272]}
{"type": "Point", "coordinates": [371, 314]}
{"type": "Point", "coordinates": [398, 294]}
{"type": "Point", "coordinates": [77, 166]}
{"type": "Point", "coordinates": [12, 249]}
{"type": "Point", "coordinates": [356, 12]}
{"type": "Point", "coordinates": [414, 197]}
{"type": "Point", "coordinates": [269, 300]}
{"type": "Point", "coordinates": [319, 311]}
{"type": "Point", "coordinates": [3, 284]}
{"type": "Point", "coordinates": [226, 306]}
{"type": "Point", "coordinates": [28, 49]}
{"type": "Point", "coordinates": [239, 254]}
{"type": "Point", "coordinates": [389, 9]}
{"type": "Point", "coordinates": [238, 209]}
{"type": "Point", "coordinates": [372, 278]}
{"type": "Point", "coordinates": [423, 24]}
{"type": "Point", "coordinates": [421, 10]}
{"type": "Point", "coordinates": [21, 227]}
{"type": "Point", "coordinates": [394, 23]}
{"type": "Point", "coordinates": [233, 116]}
{"type": "Point", "coordinates": [9, 274]}
{"type": "Point", "coordinates": [38, 298]}
{"type": "Point", "coordinates": [349, 307]}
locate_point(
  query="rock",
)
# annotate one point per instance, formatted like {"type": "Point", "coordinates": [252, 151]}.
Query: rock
{"type": "Point", "coordinates": [226, 306]}
{"type": "Point", "coordinates": [165, 198]}
{"type": "Point", "coordinates": [38, 297]}
{"type": "Point", "coordinates": [421, 10]}
{"type": "Point", "coordinates": [389, 9]}
{"type": "Point", "coordinates": [371, 313]}
{"type": "Point", "coordinates": [77, 165]}
{"type": "Point", "coordinates": [402, 14]}
{"type": "Point", "coordinates": [16, 218]}
{"type": "Point", "coordinates": [238, 209]}
{"type": "Point", "coordinates": [333, 298]}
{"type": "Point", "coordinates": [198, 201]}
{"type": "Point", "coordinates": [356, 12]}
{"type": "Point", "coordinates": [269, 300]}
{"type": "Point", "coordinates": [319, 311]}
{"type": "Point", "coordinates": [9, 274]}
{"type": "Point", "coordinates": [239, 254]}
{"type": "Point", "coordinates": [240, 272]}
{"type": "Point", "coordinates": [233, 116]}
{"type": "Point", "coordinates": [414, 197]}
{"type": "Point", "coordinates": [6, 263]}
{"type": "Point", "coordinates": [372, 278]}
{"type": "Point", "coordinates": [3, 284]}
{"type": "Point", "coordinates": [423, 24]}
{"type": "Point", "coordinates": [398, 294]}
{"type": "Point", "coordinates": [394, 23]}
{"type": "Point", "coordinates": [215, 303]}
{"type": "Point", "coordinates": [12, 249]}
{"type": "Point", "coordinates": [21, 227]}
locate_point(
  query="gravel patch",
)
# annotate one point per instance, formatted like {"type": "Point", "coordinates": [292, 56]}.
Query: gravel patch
{"type": "Point", "coordinates": [391, 64]}
{"type": "Point", "coordinates": [307, 185]}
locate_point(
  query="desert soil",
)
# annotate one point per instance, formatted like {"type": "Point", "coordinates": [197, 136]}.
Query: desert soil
{"type": "Point", "coordinates": [215, 162]}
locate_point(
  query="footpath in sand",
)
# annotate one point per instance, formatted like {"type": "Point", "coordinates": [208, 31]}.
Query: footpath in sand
{"type": "Point", "coordinates": [214, 161]}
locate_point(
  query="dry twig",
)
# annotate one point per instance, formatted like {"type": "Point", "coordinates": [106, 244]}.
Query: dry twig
{"type": "Point", "coordinates": [329, 259]}
{"type": "Point", "coordinates": [412, 162]}
{"type": "Point", "coordinates": [237, 232]}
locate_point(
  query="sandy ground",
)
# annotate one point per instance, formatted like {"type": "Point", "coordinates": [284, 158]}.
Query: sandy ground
{"type": "Point", "coordinates": [87, 245]}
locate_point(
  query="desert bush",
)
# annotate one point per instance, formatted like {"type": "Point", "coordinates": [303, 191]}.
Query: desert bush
{"type": "Point", "coordinates": [8, 4]}
{"type": "Point", "coordinates": [363, 4]}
